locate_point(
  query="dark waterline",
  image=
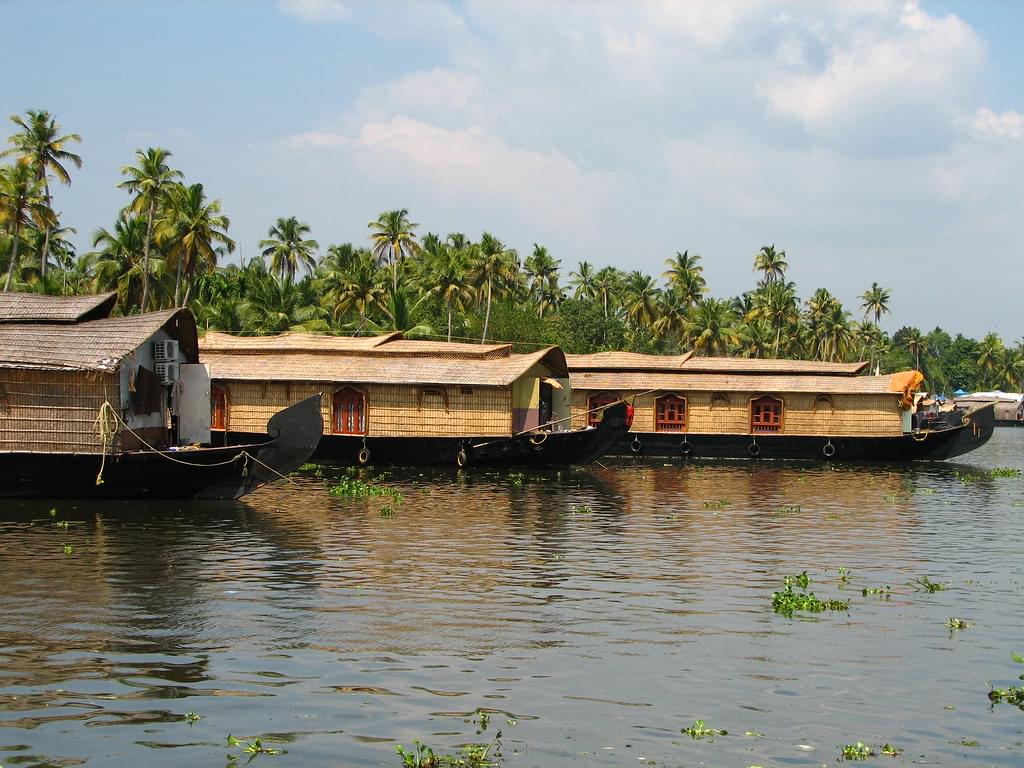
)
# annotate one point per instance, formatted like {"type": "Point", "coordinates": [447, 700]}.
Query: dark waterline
{"type": "Point", "coordinates": [599, 611]}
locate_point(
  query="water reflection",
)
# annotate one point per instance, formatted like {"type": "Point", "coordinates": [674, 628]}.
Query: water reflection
{"type": "Point", "coordinates": [601, 610]}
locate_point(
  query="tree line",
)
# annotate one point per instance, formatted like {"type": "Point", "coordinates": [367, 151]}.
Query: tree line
{"type": "Point", "coordinates": [167, 248]}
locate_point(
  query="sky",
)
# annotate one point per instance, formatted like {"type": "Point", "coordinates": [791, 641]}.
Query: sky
{"type": "Point", "coordinates": [872, 141]}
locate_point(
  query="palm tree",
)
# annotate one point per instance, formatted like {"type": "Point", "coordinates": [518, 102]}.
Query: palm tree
{"type": "Point", "coordinates": [672, 313]}
{"type": "Point", "coordinates": [41, 146]}
{"type": "Point", "coordinates": [875, 301]}
{"type": "Point", "coordinates": [192, 228]}
{"type": "Point", "coordinates": [148, 181]}
{"type": "Point", "coordinates": [711, 328]}
{"type": "Point", "coordinates": [22, 203]}
{"type": "Point", "coordinates": [359, 288]}
{"type": "Point", "coordinates": [990, 353]}
{"type": "Point", "coordinates": [444, 276]}
{"type": "Point", "coordinates": [287, 250]}
{"type": "Point", "coordinates": [542, 274]}
{"type": "Point", "coordinates": [583, 281]}
{"type": "Point", "coordinates": [118, 260]}
{"type": "Point", "coordinates": [775, 303]}
{"type": "Point", "coordinates": [393, 240]}
{"type": "Point", "coordinates": [492, 264]}
{"type": "Point", "coordinates": [607, 284]}
{"type": "Point", "coordinates": [915, 343]}
{"type": "Point", "coordinates": [685, 276]}
{"type": "Point", "coordinates": [772, 263]}
{"type": "Point", "coordinates": [640, 299]}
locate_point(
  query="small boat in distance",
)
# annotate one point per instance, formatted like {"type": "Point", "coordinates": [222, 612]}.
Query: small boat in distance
{"type": "Point", "coordinates": [711, 407]}
{"type": "Point", "coordinates": [93, 406]}
{"type": "Point", "coordinates": [402, 401]}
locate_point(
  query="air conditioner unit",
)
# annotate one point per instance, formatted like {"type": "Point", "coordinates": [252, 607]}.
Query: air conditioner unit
{"type": "Point", "coordinates": [165, 351]}
{"type": "Point", "coordinates": [168, 372]}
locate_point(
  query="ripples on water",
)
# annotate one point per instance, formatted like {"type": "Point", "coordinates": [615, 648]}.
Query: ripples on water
{"type": "Point", "coordinates": [601, 611]}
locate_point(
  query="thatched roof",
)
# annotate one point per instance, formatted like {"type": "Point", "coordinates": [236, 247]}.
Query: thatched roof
{"type": "Point", "coordinates": [38, 308]}
{"type": "Point", "coordinates": [633, 361]}
{"type": "Point", "coordinates": [93, 345]}
{"type": "Point", "coordinates": [643, 381]}
{"type": "Point", "coordinates": [377, 360]}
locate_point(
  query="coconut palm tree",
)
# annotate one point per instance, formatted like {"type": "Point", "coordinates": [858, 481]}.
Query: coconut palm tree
{"type": "Point", "coordinates": [671, 315]}
{"type": "Point", "coordinates": [582, 280]}
{"type": "Point", "coordinates": [776, 304]}
{"type": "Point", "coordinates": [287, 250]}
{"type": "Point", "coordinates": [607, 286]}
{"type": "Point", "coordinates": [444, 276]}
{"type": "Point", "coordinates": [685, 276]}
{"type": "Point", "coordinates": [771, 263]}
{"type": "Point", "coordinates": [915, 344]}
{"type": "Point", "coordinates": [40, 145]}
{"type": "Point", "coordinates": [22, 204]}
{"type": "Point", "coordinates": [118, 259]}
{"type": "Point", "coordinates": [492, 265]}
{"type": "Point", "coordinates": [640, 299]}
{"type": "Point", "coordinates": [990, 353]}
{"type": "Point", "coordinates": [148, 180]}
{"type": "Point", "coordinates": [195, 234]}
{"type": "Point", "coordinates": [542, 276]}
{"type": "Point", "coordinates": [359, 288]}
{"type": "Point", "coordinates": [712, 328]}
{"type": "Point", "coordinates": [875, 301]}
{"type": "Point", "coordinates": [394, 240]}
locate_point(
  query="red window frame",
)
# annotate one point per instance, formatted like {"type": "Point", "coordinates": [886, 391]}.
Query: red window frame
{"type": "Point", "coordinates": [596, 401]}
{"type": "Point", "coordinates": [766, 415]}
{"type": "Point", "coordinates": [670, 414]}
{"type": "Point", "coordinates": [348, 412]}
{"type": "Point", "coordinates": [218, 407]}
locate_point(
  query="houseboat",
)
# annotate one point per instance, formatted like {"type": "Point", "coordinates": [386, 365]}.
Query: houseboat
{"type": "Point", "coordinates": [93, 406]}
{"type": "Point", "coordinates": [392, 400]}
{"type": "Point", "coordinates": [756, 408]}
{"type": "Point", "coordinates": [1009, 406]}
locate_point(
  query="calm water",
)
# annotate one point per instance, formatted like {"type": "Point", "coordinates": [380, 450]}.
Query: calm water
{"type": "Point", "coordinates": [592, 614]}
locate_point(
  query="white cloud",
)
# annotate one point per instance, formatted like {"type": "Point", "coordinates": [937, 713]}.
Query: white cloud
{"type": "Point", "coordinates": [315, 10]}
{"type": "Point", "coordinates": [987, 124]}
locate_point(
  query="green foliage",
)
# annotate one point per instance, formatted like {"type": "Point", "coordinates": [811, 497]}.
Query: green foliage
{"type": "Point", "coordinates": [356, 488]}
{"type": "Point", "coordinates": [717, 504]}
{"type": "Point", "coordinates": [788, 600]}
{"type": "Point", "coordinates": [1012, 694]}
{"type": "Point", "coordinates": [956, 624]}
{"type": "Point", "coordinates": [858, 751]}
{"type": "Point", "coordinates": [924, 584]}
{"type": "Point", "coordinates": [252, 748]}
{"type": "Point", "coordinates": [699, 730]}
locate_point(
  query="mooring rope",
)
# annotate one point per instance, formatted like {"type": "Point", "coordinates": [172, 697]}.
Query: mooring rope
{"type": "Point", "coordinates": [107, 412]}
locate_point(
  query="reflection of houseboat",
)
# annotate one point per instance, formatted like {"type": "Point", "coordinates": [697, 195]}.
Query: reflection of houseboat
{"type": "Point", "coordinates": [391, 400]}
{"type": "Point", "coordinates": [1009, 406]}
{"type": "Point", "coordinates": [741, 408]}
{"type": "Point", "coordinates": [99, 406]}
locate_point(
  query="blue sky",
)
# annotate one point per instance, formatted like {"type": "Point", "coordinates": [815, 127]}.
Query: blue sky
{"type": "Point", "coordinates": [873, 141]}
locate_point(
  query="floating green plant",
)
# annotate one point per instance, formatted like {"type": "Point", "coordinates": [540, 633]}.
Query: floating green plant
{"type": "Point", "coordinates": [472, 756]}
{"type": "Point", "coordinates": [717, 504]}
{"type": "Point", "coordinates": [699, 730]}
{"type": "Point", "coordinates": [788, 600]}
{"type": "Point", "coordinates": [858, 751]}
{"type": "Point", "coordinates": [386, 510]}
{"type": "Point", "coordinates": [882, 591]}
{"type": "Point", "coordinates": [582, 509]}
{"type": "Point", "coordinates": [192, 717]}
{"type": "Point", "coordinates": [924, 584]}
{"type": "Point", "coordinates": [348, 486]}
{"type": "Point", "coordinates": [483, 719]}
{"type": "Point", "coordinates": [1011, 694]}
{"type": "Point", "coordinates": [956, 624]}
{"type": "Point", "coordinates": [251, 748]}
{"type": "Point", "coordinates": [62, 524]}
{"type": "Point", "coordinates": [308, 467]}
{"type": "Point", "coordinates": [68, 549]}
{"type": "Point", "coordinates": [969, 742]}
{"type": "Point", "coordinates": [844, 575]}
{"type": "Point", "coordinates": [1004, 472]}
{"type": "Point", "coordinates": [792, 509]}
{"type": "Point", "coordinates": [889, 750]}
{"type": "Point", "coordinates": [515, 479]}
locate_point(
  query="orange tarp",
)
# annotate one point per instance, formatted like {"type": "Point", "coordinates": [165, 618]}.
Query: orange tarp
{"type": "Point", "coordinates": [906, 383]}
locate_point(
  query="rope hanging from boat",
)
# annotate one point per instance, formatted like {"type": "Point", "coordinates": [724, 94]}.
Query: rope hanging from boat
{"type": "Point", "coordinates": [107, 429]}
{"type": "Point", "coordinates": [108, 410]}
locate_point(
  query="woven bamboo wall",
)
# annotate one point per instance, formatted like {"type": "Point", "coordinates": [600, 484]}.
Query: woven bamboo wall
{"type": "Point", "coordinates": [53, 411]}
{"type": "Point", "coordinates": [850, 414]}
{"type": "Point", "coordinates": [392, 410]}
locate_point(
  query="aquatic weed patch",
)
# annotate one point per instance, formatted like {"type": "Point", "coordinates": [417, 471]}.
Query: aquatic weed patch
{"type": "Point", "coordinates": [700, 730]}
{"type": "Point", "coordinates": [788, 600]}
{"type": "Point", "coordinates": [251, 748]}
{"type": "Point", "coordinates": [1013, 694]}
{"type": "Point", "coordinates": [858, 751]}
{"type": "Point", "coordinates": [472, 755]}
{"type": "Point", "coordinates": [355, 488]}
{"type": "Point", "coordinates": [924, 584]}
{"type": "Point", "coordinates": [717, 504]}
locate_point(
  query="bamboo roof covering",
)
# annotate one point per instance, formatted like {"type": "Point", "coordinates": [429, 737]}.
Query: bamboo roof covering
{"type": "Point", "coordinates": [633, 361]}
{"type": "Point", "coordinates": [415, 368]}
{"type": "Point", "coordinates": [641, 381]}
{"type": "Point", "coordinates": [38, 308]}
{"type": "Point", "coordinates": [93, 345]}
{"type": "Point", "coordinates": [390, 344]}
{"type": "Point", "coordinates": [626, 361]}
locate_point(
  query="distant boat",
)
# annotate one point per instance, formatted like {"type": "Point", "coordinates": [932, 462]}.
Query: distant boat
{"type": "Point", "coordinates": [392, 400]}
{"type": "Point", "coordinates": [1008, 406]}
{"type": "Point", "coordinates": [711, 407]}
{"type": "Point", "coordinates": [93, 406]}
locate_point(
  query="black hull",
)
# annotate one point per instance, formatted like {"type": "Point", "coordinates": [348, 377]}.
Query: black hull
{"type": "Point", "coordinates": [545, 449]}
{"type": "Point", "coordinates": [930, 445]}
{"type": "Point", "coordinates": [208, 473]}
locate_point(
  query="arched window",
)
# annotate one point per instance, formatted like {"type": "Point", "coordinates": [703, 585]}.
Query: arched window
{"type": "Point", "coordinates": [348, 412]}
{"type": "Point", "coordinates": [824, 403]}
{"type": "Point", "coordinates": [218, 407]}
{"type": "Point", "coordinates": [670, 414]}
{"type": "Point", "coordinates": [594, 403]}
{"type": "Point", "coordinates": [719, 400]}
{"type": "Point", "coordinates": [766, 415]}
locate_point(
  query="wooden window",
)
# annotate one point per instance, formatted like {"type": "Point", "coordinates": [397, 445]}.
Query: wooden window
{"type": "Point", "coordinates": [596, 401]}
{"type": "Point", "coordinates": [824, 402]}
{"type": "Point", "coordinates": [218, 407]}
{"type": "Point", "coordinates": [720, 400]}
{"type": "Point", "coordinates": [766, 415]}
{"type": "Point", "coordinates": [348, 412]}
{"type": "Point", "coordinates": [670, 414]}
